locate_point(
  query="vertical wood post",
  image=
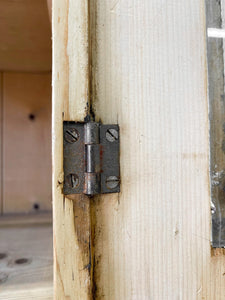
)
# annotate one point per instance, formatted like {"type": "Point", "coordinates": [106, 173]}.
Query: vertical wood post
{"type": "Point", "coordinates": [150, 75]}
{"type": "Point", "coordinates": [71, 218]}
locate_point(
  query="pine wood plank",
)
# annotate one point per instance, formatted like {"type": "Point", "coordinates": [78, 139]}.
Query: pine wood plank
{"type": "Point", "coordinates": [31, 219]}
{"type": "Point", "coordinates": [71, 218]}
{"type": "Point", "coordinates": [33, 279]}
{"type": "Point", "coordinates": [25, 36]}
{"type": "Point", "coordinates": [35, 293]}
{"type": "Point", "coordinates": [153, 239]}
{"type": "Point", "coordinates": [26, 142]}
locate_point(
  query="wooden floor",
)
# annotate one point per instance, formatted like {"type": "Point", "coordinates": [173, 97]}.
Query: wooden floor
{"type": "Point", "coordinates": [26, 261]}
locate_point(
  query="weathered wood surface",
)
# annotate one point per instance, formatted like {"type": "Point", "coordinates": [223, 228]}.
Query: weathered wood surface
{"type": "Point", "coordinates": [31, 219]}
{"type": "Point", "coordinates": [25, 36]}
{"type": "Point", "coordinates": [71, 218]}
{"type": "Point", "coordinates": [153, 239]}
{"type": "Point", "coordinates": [26, 142]}
{"type": "Point", "coordinates": [31, 279]}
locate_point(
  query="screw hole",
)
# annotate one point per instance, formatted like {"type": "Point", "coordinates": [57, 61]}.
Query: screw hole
{"type": "Point", "coordinates": [21, 261]}
{"type": "Point", "coordinates": [3, 255]}
{"type": "Point", "coordinates": [36, 206]}
{"type": "Point", "coordinates": [32, 117]}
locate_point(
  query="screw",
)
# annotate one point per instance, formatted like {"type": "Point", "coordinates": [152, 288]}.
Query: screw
{"type": "Point", "coordinates": [112, 135]}
{"type": "Point", "coordinates": [112, 182]}
{"type": "Point", "coordinates": [71, 135]}
{"type": "Point", "coordinates": [72, 180]}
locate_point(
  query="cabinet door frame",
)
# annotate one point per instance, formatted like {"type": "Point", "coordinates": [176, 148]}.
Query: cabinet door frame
{"type": "Point", "coordinates": [141, 64]}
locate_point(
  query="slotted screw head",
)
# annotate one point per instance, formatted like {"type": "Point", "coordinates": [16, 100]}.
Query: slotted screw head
{"type": "Point", "coordinates": [112, 135]}
{"type": "Point", "coordinates": [72, 180]}
{"type": "Point", "coordinates": [71, 135]}
{"type": "Point", "coordinates": [112, 182]}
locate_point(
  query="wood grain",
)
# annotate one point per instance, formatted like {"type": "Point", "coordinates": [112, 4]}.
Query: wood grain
{"type": "Point", "coordinates": [153, 239]}
{"type": "Point", "coordinates": [148, 62]}
{"type": "Point", "coordinates": [25, 36]}
{"type": "Point", "coordinates": [26, 142]}
{"type": "Point", "coordinates": [71, 218]}
{"type": "Point", "coordinates": [21, 220]}
{"type": "Point", "coordinates": [30, 292]}
{"type": "Point", "coordinates": [31, 280]}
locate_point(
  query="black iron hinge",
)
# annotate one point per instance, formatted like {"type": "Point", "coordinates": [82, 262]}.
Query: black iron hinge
{"type": "Point", "coordinates": [91, 158]}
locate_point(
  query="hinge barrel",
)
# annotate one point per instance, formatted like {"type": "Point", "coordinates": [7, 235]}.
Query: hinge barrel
{"type": "Point", "coordinates": [91, 133]}
{"type": "Point", "coordinates": [93, 159]}
{"type": "Point", "coordinates": [92, 184]}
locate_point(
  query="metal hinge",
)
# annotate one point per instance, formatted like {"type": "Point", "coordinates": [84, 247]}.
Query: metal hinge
{"type": "Point", "coordinates": [91, 158]}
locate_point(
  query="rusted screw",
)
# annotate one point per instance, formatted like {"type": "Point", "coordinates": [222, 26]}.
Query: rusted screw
{"type": "Point", "coordinates": [71, 135]}
{"type": "Point", "coordinates": [112, 135]}
{"type": "Point", "coordinates": [112, 182]}
{"type": "Point", "coordinates": [72, 180]}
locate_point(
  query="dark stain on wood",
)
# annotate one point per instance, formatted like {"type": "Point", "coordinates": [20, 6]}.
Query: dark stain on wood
{"type": "Point", "coordinates": [81, 209]}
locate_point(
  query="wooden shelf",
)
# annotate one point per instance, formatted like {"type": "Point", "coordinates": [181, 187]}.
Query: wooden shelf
{"type": "Point", "coordinates": [32, 219]}
{"type": "Point", "coordinates": [26, 261]}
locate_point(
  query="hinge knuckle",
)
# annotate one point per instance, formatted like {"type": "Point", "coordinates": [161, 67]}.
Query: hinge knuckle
{"type": "Point", "coordinates": [92, 184]}
{"type": "Point", "coordinates": [91, 133]}
{"type": "Point", "coordinates": [93, 158]}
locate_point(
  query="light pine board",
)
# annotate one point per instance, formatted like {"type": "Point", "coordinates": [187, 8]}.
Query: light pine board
{"type": "Point", "coordinates": [71, 218]}
{"type": "Point", "coordinates": [153, 239]}
{"type": "Point", "coordinates": [25, 36]}
{"type": "Point", "coordinates": [32, 219]}
{"type": "Point", "coordinates": [32, 280]}
{"type": "Point", "coordinates": [26, 143]}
